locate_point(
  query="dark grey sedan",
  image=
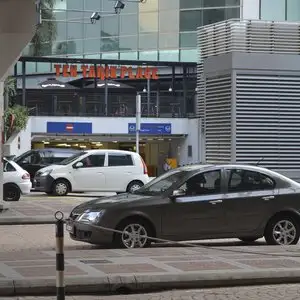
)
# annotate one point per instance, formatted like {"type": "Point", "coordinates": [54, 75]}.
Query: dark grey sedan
{"type": "Point", "coordinates": [193, 203]}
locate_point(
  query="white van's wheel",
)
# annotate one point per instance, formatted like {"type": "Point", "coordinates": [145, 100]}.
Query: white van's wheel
{"type": "Point", "coordinates": [61, 187]}
{"type": "Point", "coordinates": [133, 186]}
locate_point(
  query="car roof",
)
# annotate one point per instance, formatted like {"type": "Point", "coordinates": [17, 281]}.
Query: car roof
{"type": "Point", "coordinates": [57, 150]}
{"type": "Point", "coordinates": [110, 150]}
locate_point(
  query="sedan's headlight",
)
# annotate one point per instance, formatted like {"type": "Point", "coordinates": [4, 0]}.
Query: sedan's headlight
{"type": "Point", "coordinates": [45, 173]}
{"type": "Point", "coordinates": [91, 216]}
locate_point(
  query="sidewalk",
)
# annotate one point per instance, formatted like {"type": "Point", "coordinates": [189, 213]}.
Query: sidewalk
{"type": "Point", "coordinates": [107, 270]}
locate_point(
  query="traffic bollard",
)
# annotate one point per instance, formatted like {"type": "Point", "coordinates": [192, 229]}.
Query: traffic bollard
{"type": "Point", "coordinates": [60, 259]}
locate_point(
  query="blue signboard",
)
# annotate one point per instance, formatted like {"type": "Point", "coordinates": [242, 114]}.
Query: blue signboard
{"type": "Point", "coordinates": [69, 127]}
{"type": "Point", "coordinates": [151, 128]}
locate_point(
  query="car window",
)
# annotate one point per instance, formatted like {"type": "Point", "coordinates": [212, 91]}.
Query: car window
{"type": "Point", "coordinates": [57, 157]}
{"type": "Point", "coordinates": [32, 158]}
{"type": "Point", "coordinates": [46, 157]}
{"type": "Point", "coordinates": [8, 167]}
{"type": "Point", "coordinates": [119, 160]}
{"type": "Point", "coordinates": [95, 160]}
{"type": "Point", "coordinates": [245, 180]}
{"type": "Point", "coordinates": [206, 183]}
{"type": "Point", "coordinates": [71, 159]}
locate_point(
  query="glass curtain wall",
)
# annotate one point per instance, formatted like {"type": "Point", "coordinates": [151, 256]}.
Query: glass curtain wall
{"type": "Point", "coordinates": [162, 30]}
{"type": "Point", "coordinates": [280, 10]}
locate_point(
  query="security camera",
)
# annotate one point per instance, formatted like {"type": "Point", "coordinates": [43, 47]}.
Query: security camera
{"type": "Point", "coordinates": [119, 5]}
{"type": "Point", "coordinates": [95, 17]}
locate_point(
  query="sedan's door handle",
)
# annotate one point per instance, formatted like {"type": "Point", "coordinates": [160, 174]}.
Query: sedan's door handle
{"type": "Point", "coordinates": [267, 198]}
{"type": "Point", "coordinates": [215, 202]}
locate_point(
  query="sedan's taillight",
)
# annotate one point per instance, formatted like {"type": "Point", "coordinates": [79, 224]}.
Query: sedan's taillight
{"type": "Point", "coordinates": [26, 176]}
{"type": "Point", "coordinates": [145, 169]}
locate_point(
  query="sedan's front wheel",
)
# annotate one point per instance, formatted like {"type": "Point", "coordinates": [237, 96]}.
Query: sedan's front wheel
{"type": "Point", "coordinates": [282, 230]}
{"type": "Point", "coordinates": [135, 234]}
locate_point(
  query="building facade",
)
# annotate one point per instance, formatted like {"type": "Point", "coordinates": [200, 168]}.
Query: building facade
{"type": "Point", "coordinates": [250, 94]}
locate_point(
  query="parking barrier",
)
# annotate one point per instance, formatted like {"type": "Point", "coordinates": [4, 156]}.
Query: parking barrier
{"type": "Point", "coordinates": [60, 259]}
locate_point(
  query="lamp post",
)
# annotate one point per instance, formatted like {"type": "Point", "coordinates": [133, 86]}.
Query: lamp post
{"type": "Point", "coordinates": [138, 123]}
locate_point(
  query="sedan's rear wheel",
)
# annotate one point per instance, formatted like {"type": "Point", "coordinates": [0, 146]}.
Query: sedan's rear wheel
{"type": "Point", "coordinates": [135, 234]}
{"type": "Point", "coordinates": [282, 230]}
{"type": "Point", "coordinates": [11, 193]}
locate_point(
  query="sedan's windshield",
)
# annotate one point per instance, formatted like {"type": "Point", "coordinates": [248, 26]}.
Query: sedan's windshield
{"type": "Point", "coordinates": [162, 183]}
{"type": "Point", "coordinates": [71, 158]}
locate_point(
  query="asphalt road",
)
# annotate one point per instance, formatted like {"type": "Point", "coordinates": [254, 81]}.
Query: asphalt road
{"type": "Point", "coordinates": [277, 292]}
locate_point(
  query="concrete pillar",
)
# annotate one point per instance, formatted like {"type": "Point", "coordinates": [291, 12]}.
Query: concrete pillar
{"type": "Point", "coordinates": [18, 19]}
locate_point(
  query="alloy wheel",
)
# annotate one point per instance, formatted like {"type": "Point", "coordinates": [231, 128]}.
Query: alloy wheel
{"type": "Point", "coordinates": [134, 236]}
{"type": "Point", "coordinates": [61, 188]}
{"type": "Point", "coordinates": [135, 187]}
{"type": "Point", "coordinates": [284, 232]}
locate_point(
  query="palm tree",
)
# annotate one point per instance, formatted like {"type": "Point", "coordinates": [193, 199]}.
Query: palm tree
{"type": "Point", "coordinates": [41, 43]}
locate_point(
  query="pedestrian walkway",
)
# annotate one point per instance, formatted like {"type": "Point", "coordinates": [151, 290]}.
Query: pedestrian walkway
{"type": "Point", "coordinates": [107, 270]}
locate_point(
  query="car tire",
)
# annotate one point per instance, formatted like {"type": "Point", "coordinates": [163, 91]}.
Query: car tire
{"type": "Point", "coordinates": [282, 230]}
{"type": "Point", "coordinates": [248, 239]}
{"type": "Point", "coordinates": [119, 240]}
{"type": "Point", "coordinates": [60, 187]}
{"type": "Point", "coordinates": [11, 192]}
{"type": "Point", "coordinates": [133, 186]}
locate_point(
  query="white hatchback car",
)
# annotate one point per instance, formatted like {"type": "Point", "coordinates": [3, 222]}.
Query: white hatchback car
{"type": "Point", "coordinates": [94, 170]}
{"type": "Point", "coordinates": [16, 181]}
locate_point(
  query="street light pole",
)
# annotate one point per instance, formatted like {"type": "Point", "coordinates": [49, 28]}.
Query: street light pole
{"type": "Point", "coordinates": [138, 122]}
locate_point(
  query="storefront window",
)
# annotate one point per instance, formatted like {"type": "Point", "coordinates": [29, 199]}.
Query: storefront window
{"type": "Point", "coordinates": [75, 47]}
{"type": "Point", "coordinates": [188, 55]}
{"type": "Point", "coordinates": [128, 55]}
{"type": "Point", "coordinates": [113, 55]}
{"type": "Point", "coordinates": [61, 31]}
{"type": "Point", "coordinates": [75, 31]}
{"type": "Point", "coordinates": [75, 4]}
{"type": "Point", "coordinates": [272, 10]}
{"type": "Point", "coordinates": [128, 43]}
{"type": "Point", "coordinates": [92, 30]}
{"type": "Point", "coordinates": [109, 44]}
{"type": "Point", "coordinates": [293, 10]}
{"type": "Point", "coordinates": [110, 26]}
{"type": "Point", "coordinates": [92, 5]}
{"type": "Point", "coordinates": [92, 45]}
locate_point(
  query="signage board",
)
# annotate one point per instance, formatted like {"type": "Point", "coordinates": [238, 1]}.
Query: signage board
{"type": "Point", "coordinates": [106, 72]}
{"type": "Point", "coordinates": [69, 127]}
{"type": "Point", "coordinates": [151, 128]}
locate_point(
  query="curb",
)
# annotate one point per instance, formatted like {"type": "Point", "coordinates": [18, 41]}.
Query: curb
{"type": "Point", "coordinates": [147, 283]}
{"type": "Point", "coordinates": [26, 220]}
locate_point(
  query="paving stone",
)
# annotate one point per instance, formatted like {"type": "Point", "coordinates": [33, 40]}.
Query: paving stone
{"type": "Point", "coordinates": [203, 265]}
{"type": "Point", "coordinates": [271, 263]}
{"type": "Point", "coordinates": [128, 268]}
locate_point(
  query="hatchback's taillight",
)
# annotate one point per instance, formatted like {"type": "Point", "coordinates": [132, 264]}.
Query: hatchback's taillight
{"type": "Point", "coordinates": [26, 176]}
{"type": "Point", "coordinates": [145, 169]}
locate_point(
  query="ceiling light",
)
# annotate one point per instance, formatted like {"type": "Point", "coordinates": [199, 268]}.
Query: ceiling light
{"type": "Point", "coordinates": [170, 89]}
{"type": "Point", "coordinates": [144, 90]}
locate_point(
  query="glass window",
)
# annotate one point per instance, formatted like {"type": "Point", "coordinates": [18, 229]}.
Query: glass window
{"type": "Point", "coordinates": [168, 4]}
{"type": "Point", "coordinates": [92, 161]}
{"type": "Point", "coordinates": [72, 158]}
{"type": "Point", "coordinates": [115, 160]}
{"type": "Point", "coordinates": [129, 24]}
{"type": "Point", "coordinates": [293, 10]}
{"type": "Point", "coordinates": [128, 43]}
{"type": "Point", "coordinates": [31, 158]}
{"type": "Point", "coordinates": [220, 3]}
{"type": "Point", "coordinates": [61, 29]}
{"type": "Point", "coordinates": [8, 167]}
{"type": "Point", "coordinates": [148, 55]}
{"type": "Point", "coordinates": [169, 40]}
{"type": "Point", "coordinates": [110, 26]}
{"type": "Point", "coordinates": [188, 39]}
{"type": "Point", "coordinates": [92, 5]}
{"type": "Point", "coordinates": [91, 45]}
{"type": "Point", "coordinates": [92, 30]}
{"type": "Point", "coordinates": [128, 55]}
{"type": "Point", "coordinates": [191, 3]}
{"type": "Point", "coordinates": [169, 21]}
{"type": "Point", "coordinates": [75, 47]}
{"type": "Point", "coordinates": [94, 56]}
{"type": "Point", "coordinates": [75, 4]}
{"type": "Point", "coordinates": [109, 44]}
{"type": "Point", "coordinates": [203, 184]}
{"type": "Point", "coordinates": [211, 16]}
{"type": "Point", "coordinates": [75, 31]}
{"type": "Point", "coordinates": [148, 22]}
{"type": "Point", "coordinates": [169, 55]}
{"type": "Point", "coordinates": [150, 5]}
{"type": "Point", "coordinates": [244, 180]}
{"type": "Point", "coordinates": [110, 55]}
{"type": "Point", "coordinates": [188, 55]}
{"type": "Point", "coordinates": [148, 41]}
{"type": "Point", "coordinates": [272, 10]}
{"type": "Point", "coordinates": [43, 67]}
{"type": "Point", "coordinates": [190, 20]}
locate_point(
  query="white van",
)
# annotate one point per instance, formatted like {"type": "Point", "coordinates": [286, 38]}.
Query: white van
{"type": "Point", "coordinates": [93, 170]}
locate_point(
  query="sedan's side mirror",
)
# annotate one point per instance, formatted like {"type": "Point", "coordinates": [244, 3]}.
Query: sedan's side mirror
{"type": "Point", "coordinates": [78, 165]}
{"type": "Point", "coordinates": [177, 193]}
